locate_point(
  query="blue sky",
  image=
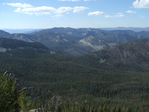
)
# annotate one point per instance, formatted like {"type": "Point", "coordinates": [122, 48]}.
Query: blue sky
{"type": "Point", "coordinates": [20, 14]}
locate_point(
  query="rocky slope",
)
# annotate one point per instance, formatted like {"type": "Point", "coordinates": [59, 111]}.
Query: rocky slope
{"type": "Point", "coordinates": [132, 55]}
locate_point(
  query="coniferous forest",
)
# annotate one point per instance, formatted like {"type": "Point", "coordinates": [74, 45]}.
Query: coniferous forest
{"type": "Point", "coordinates": [65, 83]}
{"type": "Point", "coordinates": [111, 80]}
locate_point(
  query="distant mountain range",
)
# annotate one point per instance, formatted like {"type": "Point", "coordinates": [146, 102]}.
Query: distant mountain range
{"type": "Point", "coordinates": [20, 30]}
{"type": "Point", "coordinates": [136, 29]}
{"type": "Point", "coordinates": [99, 49]}
{"type": "Point", "coordinates": [130, 56]}
{"type": "Point", "coordinates": [78, 41]}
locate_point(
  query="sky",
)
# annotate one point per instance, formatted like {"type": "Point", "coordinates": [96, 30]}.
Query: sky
{"type": "Point", "coordinates": [25, 14]}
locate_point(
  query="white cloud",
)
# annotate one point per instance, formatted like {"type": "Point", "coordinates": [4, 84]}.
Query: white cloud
{"type": "Point", "coordinates": [108, 16]}
{"type": "Point", "coordinates": [119, 15]}
{"type": "Point", "coordinates": [19, 5]}
{"type": "Point", "coordinates": [62, 10]}
{"type": "Point", "coordinates": [45, 10]}
{"type": "Point", "coordinates": [130, 11]}
{"type": "Point", "coordinates": [96, 13]}
{"type": "Point", "coordinates": [141, 4]}
{"type": "Point", "coordinates": [79, 9]}
{"type": "Point", "coordinates": [99, 13]}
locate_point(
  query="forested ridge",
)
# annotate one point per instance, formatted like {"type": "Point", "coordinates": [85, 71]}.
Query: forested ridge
{"type": "Point", "coordinates": [66, 83]}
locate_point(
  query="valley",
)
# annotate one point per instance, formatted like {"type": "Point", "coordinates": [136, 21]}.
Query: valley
{"type": "Point", "coordinates": [93, 65]}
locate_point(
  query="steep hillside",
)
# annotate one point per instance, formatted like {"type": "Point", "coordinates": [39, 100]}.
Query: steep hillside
{"type": "Point", "coordinates": [3, 33]}
{"type": "Point", "coordinates": [19, 36]}
{"type": "Point", "coordinates": [95, 43]}
{"type": "Point", "coordinates": [7, 43]}
{"type": "Point", "coordinates": [130, 56]}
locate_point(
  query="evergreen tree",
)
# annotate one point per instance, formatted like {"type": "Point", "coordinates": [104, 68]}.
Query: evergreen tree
{"type": "Point", "coordinates": [8, 96]}
{"type": "Point", "coordinates": [11, 100]}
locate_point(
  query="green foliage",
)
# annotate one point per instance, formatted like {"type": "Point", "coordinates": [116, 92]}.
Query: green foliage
{"type": "Point", "coordinates": [10, 98]}
{"type": "Point", "coordinates": [25, 102]}
{"type": "Point", "coordinates": [75, 78]}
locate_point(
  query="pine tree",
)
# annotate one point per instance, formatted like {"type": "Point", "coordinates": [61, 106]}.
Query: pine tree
{"type": "Point", "coordinates": [10, 99]}
{"type": "Point", "coordinates": [8, 96]}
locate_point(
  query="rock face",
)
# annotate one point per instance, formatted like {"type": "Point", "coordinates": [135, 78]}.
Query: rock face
{"type": "Point", "coordinates": [95, 43]}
